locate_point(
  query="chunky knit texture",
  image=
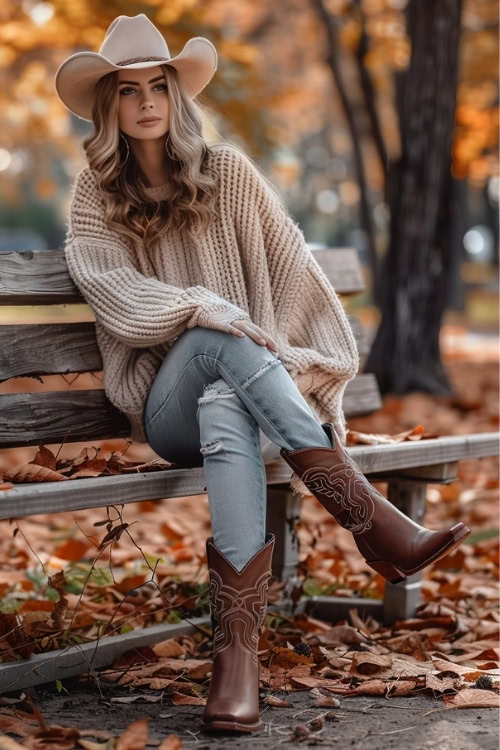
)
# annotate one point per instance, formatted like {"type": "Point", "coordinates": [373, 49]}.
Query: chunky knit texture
{"type": "Point", "coordinates": [252, 263]}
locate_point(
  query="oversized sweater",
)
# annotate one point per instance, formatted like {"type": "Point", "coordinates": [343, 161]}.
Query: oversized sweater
{"type": "Point", "coordinates": [252, 263]}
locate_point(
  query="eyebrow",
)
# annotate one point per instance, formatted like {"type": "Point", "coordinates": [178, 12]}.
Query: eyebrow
{"type": "Point", "coordinates": [135, 83]}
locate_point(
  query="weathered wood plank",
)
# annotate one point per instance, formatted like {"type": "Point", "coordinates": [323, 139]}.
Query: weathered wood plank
{"type": "Point", "coordinates": [36, 278]}
{"type": "Point", "coordinates": [75, 659]}
{"type": "Point", "coordinates": [41, 277]}
{"type": "Point", "coordinates": [342, 268]}
{"type": "Point", "coordinates": [377, 459]}
{"type": "Point", "coordinates": [282, 511]}
{"type": "Point", "coordinates": [57, 416]}
{"type": "Point", "coordinates": [32, 418]}
{"type": "Point", "coordinates": [53, 497]}
{"type": "Point", "coordinates": [49, 349]}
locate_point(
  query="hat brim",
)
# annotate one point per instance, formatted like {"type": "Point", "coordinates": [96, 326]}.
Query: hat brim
{"type": "Point", "coordinates": [77, 76]}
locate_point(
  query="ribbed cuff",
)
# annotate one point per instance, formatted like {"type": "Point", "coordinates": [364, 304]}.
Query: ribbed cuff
{"type": "Point", "coordinates": [215, 318]}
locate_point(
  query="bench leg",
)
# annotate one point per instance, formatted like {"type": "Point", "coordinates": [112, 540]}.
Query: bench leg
{"type": "Point", "coordinates": [402, 599]}
{"type": "Point", "coordinates": [283, 512]}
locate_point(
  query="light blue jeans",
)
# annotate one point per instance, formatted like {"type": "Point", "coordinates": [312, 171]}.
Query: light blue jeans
{"type": "Point", "coordinates": [214, 401]}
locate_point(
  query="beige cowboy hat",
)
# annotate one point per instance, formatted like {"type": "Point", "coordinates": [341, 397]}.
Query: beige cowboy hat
{"type": "Point", "coordinates": [127, 38]}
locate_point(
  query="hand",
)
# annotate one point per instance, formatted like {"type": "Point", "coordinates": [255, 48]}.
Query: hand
{"type": "Point", "coordinates": [242, 327]}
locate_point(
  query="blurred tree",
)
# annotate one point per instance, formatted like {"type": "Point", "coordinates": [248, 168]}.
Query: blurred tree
{"type": "Point", "coordinates": [405, 353]}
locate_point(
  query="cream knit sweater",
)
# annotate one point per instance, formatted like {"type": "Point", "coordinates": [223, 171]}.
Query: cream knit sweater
{"type": "Point", "coordinates": [252, 263]}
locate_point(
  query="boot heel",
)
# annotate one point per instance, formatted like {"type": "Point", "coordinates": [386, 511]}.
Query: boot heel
{"type": "Point", "coordinates": [387, 570]}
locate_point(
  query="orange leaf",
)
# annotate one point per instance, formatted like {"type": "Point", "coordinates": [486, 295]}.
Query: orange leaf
{"type": "Point", "coordinates": [36, 605]}
{"type": "Point", "coordinates": [71, 549]}
{"type": "Point", "coordinates": [135, 737]}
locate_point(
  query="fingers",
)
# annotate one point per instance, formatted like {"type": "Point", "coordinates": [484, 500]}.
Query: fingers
{"type": "Point", "coordinates": [235, 331]}
{"type": "Point", "coordinates": [255, 332]}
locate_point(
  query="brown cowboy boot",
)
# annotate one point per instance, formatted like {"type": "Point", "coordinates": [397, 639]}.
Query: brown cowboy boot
{"type": "Point", "coordinates": [391, 543]}
{"type": "Point", "coordinates": [238, 602]}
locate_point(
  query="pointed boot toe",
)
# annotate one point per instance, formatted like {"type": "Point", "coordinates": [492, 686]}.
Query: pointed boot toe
{"type": "Point", "coordinates": [390, 542]}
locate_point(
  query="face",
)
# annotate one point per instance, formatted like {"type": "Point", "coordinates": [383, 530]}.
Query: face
{"type": "Point", "coordinates": [143, 93]}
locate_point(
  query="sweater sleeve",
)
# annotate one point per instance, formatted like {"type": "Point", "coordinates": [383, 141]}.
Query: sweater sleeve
{"type": "Point", "coordinates": [138, 310]}
{"type": "Point", "coordinates": [308, 312]}
{"type": "Point", "coordinates": [316, 342]}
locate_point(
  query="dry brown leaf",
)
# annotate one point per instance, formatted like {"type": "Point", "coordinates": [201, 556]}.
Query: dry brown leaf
{"type": "Point", "coordinates": [340, 634]}
{"type": "Point", "coordinates": [170, 647]}
{"type": "Point", "coordinates": [33, 473]}
{"type": "Point", "coordinates": [171, 742]}
{"type": "Point", "coordinates": [93, 468]}
{"type": "Point", "coordinates": [401, 687]}
{"type": "Point", "coordinates": [324, 700]}
{"type": "Point", "coordinates": [180, 699]}
{"type": "Point", "coordinates": [45, 457]}
{"type": "Point", "coordinates": [183, 665]}
{"type": "Point", "coordinates": [272, 700]}
{"type": "Point", "coordinates": [381, 687]}
{"type": "Point", "coordinates": [287, 657]}
{"type": "Point", "coordinates": [438, 685]}
{"type": "Point", "coordinates": [306, 682]}
{"type": "Point", "coordinates": [370, 438]}
{"type": "Point", "coordinates": [448, 666]}
{"type": "Point", "coordinates": [473, 698]}
{"type": "Point", "coordinates": [368, 664]}
{"type": "Point", "coordinates": [134, 737]}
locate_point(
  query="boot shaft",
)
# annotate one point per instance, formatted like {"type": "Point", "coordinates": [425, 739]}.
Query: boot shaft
{"type": "Point", "coordinates": [238, 599]}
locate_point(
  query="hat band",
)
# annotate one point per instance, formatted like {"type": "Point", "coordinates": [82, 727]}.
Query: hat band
{"type": "Point", "coordinates": [133, 60]}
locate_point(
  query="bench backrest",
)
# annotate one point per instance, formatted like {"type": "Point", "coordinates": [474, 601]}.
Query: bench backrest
{"type": "Point", "coordinates": [41, 278]}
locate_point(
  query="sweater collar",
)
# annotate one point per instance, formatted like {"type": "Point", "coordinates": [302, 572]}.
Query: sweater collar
{"type": "Point", "coordinates": [161, 191]}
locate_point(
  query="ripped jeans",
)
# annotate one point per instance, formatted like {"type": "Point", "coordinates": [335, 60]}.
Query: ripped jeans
{"type": "Point", "coordinates": [228, 404]}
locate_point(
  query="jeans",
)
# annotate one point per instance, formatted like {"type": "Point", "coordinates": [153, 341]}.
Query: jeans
{"type": "Point", "coordinates": [228, 404]}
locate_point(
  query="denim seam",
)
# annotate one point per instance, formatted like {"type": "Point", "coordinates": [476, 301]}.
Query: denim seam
{"type": "Point", "coordinates": [150, 421]}
{"type": "Point", "coordinates": [256, 405]}
{"type": "Point", "coordinates": [211, 356]}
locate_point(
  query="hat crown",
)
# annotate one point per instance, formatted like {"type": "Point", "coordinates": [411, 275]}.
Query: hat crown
{"type": "Point", "coordinates": [125, 30]}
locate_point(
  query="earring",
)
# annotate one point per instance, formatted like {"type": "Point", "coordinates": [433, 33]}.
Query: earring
{"type": "Point", "coordinates": [128, 149]}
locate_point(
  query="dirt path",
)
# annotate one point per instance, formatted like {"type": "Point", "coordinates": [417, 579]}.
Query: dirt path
{"type": "Point", "coordinates": [360, 722]}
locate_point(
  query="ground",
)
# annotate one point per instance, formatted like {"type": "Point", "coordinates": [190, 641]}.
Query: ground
{"type": "Point", "coordinates": [374, 723]}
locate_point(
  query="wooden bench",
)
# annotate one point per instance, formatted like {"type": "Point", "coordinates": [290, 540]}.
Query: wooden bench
{"type": "Point", "coordinates": [28, 419]}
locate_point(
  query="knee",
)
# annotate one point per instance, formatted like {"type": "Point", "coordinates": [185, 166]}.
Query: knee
{"type": "Point", "coordinates": [219, 389]}
{"type": "Point", "coordinates": [216, 394]}
{"type": "Point", "coordinates": [198, 336]}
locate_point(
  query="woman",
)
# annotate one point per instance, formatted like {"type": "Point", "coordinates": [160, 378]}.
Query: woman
{"type": "Point", "coordinates": [221, 338]}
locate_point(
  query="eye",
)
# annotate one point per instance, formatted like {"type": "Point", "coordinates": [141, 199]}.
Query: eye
{"type": "Point", "coordinates": [128, 88]}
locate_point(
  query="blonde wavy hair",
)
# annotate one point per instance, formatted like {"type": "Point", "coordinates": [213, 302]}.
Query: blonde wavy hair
{"type": "Point", "coordinates": [129, 210]}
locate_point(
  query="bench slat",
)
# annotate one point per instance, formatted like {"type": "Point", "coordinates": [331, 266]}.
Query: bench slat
{"type": "Point", "coordinates": [47, 417]}
{"type": "Point", "coordinates": [53, 348]}
{"type": "Point", "coordinates": [73, 660]}
{"type": "Point", "coordinates": [57, 416]}
{"type": "Point", "coordinates": [96, 492]}
{"type": "Point", "coordinates": [48, 349]}
{"type": "Point", "coordinates": [41, 277]}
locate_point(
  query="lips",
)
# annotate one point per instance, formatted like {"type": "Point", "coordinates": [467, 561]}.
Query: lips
{"type": "Point", "coordinates": [149, 119]}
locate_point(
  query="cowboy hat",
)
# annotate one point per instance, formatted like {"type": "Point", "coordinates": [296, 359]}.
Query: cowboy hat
{"type": "Point", "coordinates": [129, 38]}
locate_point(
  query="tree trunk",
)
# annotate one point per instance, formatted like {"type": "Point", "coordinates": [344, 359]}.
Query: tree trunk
{"type": "Point", "coordinates": [405, 353]}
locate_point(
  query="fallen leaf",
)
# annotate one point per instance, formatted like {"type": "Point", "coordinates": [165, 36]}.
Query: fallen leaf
{"type": "Point", "coordinates": [473, 698]}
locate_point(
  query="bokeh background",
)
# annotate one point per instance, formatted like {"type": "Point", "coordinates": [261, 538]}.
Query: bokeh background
{"type": "Point", "coordinates": [321, 92]}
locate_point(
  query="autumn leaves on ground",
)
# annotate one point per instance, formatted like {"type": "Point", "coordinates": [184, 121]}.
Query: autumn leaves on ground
{"type": "Point", "coordinates": [124, 567]}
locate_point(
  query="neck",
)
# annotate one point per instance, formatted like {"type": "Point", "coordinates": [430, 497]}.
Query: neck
{"type": "Point", "coordinates": [150, 156]}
